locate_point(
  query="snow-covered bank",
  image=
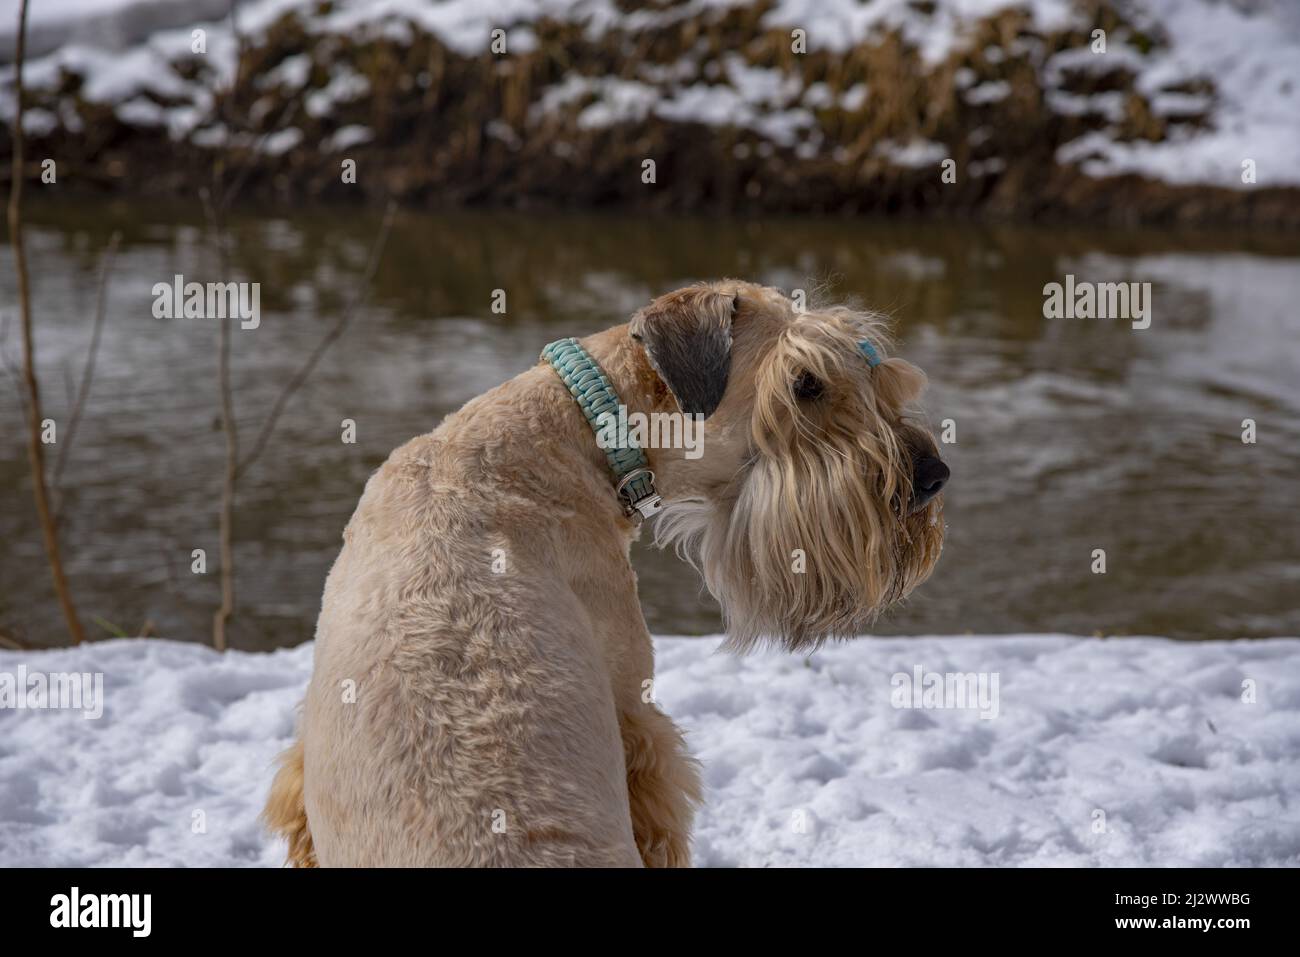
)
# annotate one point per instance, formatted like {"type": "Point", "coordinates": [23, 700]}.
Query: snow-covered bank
{"type": "Point", "coordinates": [1102, 752]}
{"type": "Point", "coordinates": [1092, 108]}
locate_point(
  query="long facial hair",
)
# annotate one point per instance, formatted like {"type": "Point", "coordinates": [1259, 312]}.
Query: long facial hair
{"type": "Point", "coordinates": [815, 536]}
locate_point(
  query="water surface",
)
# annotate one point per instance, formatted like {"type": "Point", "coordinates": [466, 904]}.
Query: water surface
{"type": "Point", "coordinates": [1072, 435]}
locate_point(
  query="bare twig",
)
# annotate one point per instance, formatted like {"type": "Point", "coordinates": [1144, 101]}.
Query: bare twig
{"type": "Point", "coordinates": [335, 331]}
{"type": "Point", "coordinates": [226, 517]}
{"type": "Point", "coordinates": [12, 641]}
{"type": "Point", "coordinates": [222, 615]}
{"type": "Point", "coordinates": [8, 364]}
{"type": "Point", "coordinates": [216, 203]}
{"type": "Point", "coordinates": [239, 41]}
{"type": "Point", "coordinates": [229, 429]}
{"type": "Point", "coordinates": [35, 448]}
{"type": "Point", "coordinates": [88, 368]}
{"type": "Point", "coordinates": [229, 196]}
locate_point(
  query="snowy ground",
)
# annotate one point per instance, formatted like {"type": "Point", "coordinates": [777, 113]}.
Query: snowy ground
{"type": "Point", "coordinates": [806, 761]}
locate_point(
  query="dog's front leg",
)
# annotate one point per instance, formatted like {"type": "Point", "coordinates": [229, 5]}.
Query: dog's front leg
{"type": "Point", "coordinates": [663, 786]}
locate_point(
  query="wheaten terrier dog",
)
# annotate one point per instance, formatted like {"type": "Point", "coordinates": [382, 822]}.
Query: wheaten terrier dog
{"type": "Point", "coordinates": [482, 670]}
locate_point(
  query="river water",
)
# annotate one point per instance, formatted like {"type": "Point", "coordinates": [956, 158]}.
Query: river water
{"type": "Point", "coordinates": [1071, 434]}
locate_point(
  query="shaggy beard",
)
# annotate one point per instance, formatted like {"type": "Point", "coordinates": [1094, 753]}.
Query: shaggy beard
{"type": "Point", "coordinates": [812, 539]}
{"type": "Point", "coordinates": [747, 550]}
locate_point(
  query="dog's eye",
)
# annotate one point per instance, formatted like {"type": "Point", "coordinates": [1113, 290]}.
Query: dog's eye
{"type": "Point", "coordinates": [808, 387]}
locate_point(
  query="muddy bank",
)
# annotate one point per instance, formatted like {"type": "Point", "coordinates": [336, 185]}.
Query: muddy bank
{"type": "Point", "coordinates": [1009, 123]}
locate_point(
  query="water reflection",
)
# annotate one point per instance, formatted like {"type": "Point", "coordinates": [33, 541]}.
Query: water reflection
{"type": "Point", "coordinates": [1071, 434]}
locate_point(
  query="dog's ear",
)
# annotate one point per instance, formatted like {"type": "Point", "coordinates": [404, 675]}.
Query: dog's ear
{"type": "Point", "coordinates": [898, 383]}
{"type": "Point", "coordinates": [687, 338]}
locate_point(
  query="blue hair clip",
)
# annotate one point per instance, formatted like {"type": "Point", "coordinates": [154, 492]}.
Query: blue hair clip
{"type": "Point", "coordinates": [868, 350]}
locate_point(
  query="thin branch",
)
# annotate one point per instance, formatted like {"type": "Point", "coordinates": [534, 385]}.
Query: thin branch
{"type": "Point", "coordinates": [8, 364]}
{"type": "Point", "coordinates": [35, 447]}
{"type": "Point", "coordinates": [216, 202]}
{"type": "Point", "coordinates": [221, 617]}
{"type": "Point", "coordinates": [226, 518]}
{"type": "Point", "coordinates": [286, 114]}
{"type": "Point", "coordinates": [340, 325]}
{"type": "Point", "coordinates": [88, 369]}
{"type": "Point", "coordinates": [227, 197]}
{"type": "Point", "coordinates": [240, 42]}
{"type": "Point", "coordinates": [10, 641]}
{"type": "Point", "coordinates": [216, 223]}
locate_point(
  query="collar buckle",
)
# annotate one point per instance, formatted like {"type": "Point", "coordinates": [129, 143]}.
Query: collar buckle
{"type": "Point", "coordinates": [641, 500]}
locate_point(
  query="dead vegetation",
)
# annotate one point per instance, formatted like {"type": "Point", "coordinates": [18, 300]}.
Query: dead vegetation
{"type": "Point", "coordinates": [453, 130]}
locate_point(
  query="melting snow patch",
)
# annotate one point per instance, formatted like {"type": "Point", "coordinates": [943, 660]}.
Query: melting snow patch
{"type": "Point", "coordinates": [914, 154]}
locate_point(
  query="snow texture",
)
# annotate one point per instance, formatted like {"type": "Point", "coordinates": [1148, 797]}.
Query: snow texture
{"type": "Point", "coordinates": [1132, 751]}
{"type": "Point", "coordinates": [1251, 52]}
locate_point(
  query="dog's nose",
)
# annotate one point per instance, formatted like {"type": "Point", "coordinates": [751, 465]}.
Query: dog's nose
{"type": "Point", "coordinates": [929, 476]}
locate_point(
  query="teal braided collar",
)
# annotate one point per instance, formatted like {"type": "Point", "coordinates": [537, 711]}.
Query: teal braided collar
{"type": "Point", "coordinates": [590, 388]}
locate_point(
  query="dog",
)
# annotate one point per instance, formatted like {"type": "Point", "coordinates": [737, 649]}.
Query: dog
{"type": "Point", "coordinates": [482, 683]}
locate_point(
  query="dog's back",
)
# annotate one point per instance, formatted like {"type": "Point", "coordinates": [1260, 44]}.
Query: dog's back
{"type": "Point", "coordinates": [459, 711]}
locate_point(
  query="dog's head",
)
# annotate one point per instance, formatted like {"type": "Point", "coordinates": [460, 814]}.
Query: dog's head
{"type": "Point", "coordinates": [816, 502]}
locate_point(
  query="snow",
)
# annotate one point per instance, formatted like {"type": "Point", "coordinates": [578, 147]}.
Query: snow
{"type": "Point", "coordinates": [345, 85]}
{"type": "Point", "coordinates": [993, 91]}
{"type": "Point", "coordinates": [616, 101]}
{"type": "Point", "coordinates": [281, 141]}
{"type": "Point", "coordinates": [292, 72]}
{"type": "Point", "coordinates": [138, 111]}
{"type": "Point", "coordinates": [54, 10]}
{"type": "Point", "coordinates": [914, 154]}
{"type": "Point", "coordinates": [347, 137]}
{"type": "Point", "coordinates": [1251, 53]}
{"type": "Point", "coordinates": [839, 24]}
{"type": "Point", "coordinates": [1125, 752]}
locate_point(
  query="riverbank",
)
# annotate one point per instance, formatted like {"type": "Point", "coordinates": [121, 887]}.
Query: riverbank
{"type": "Point", "coordinates": [1178, 112]}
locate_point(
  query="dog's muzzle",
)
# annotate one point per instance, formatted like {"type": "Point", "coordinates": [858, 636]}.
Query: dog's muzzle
{"type": "Point", "coordinates": [929, 476]}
